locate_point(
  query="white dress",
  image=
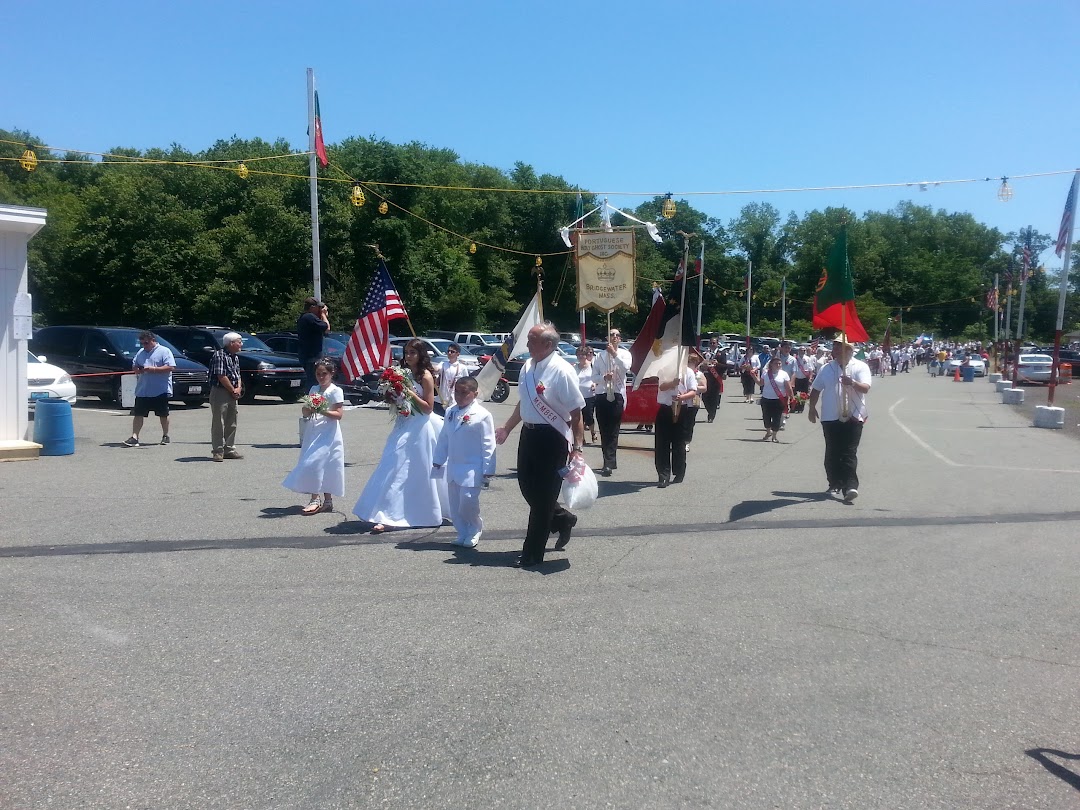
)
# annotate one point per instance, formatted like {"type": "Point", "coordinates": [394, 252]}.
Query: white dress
{"type": "Point", "coordinates": [321, 467]}
{"type": "Point", "coordinates": [401, 491]}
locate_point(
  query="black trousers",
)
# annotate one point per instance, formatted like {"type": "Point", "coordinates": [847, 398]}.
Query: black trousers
{"type": "Point", "coordinates": [670, 448]}
{"type": "Point", "coordinates": [309, 372]}
{"type": "Point", "coordinates": [802, 384]}
{"type": "Point", "coordinates": [542, 452]}
{"type": "Point", "coordinates": [841, 453]}
{"type": "Point", "coordinates": [711, 398]}
{"type": "Point", "coordinates": [772, 413]}
{"type": "Point", "coordinates": [609, 420]}
{"type": "Point", "coordinates": [587, 413]}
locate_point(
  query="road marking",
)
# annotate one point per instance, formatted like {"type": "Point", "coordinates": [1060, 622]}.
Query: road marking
{"type": "Point", "coordinates": [944, 459]}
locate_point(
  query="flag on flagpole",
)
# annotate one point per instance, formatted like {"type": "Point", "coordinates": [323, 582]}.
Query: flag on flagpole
{"type": "Point", "coordinates": [834, 299]}
{"type": "Point", "coordinates": [992, 299]}
{"type": "Point", "coordinates": [491, 372]}
{"type": "Point", "coordinates": [656, 352]}
{"type": "Point", "coordinates": [1065, 230]}
{"type": "Point", "coordinates": [320, 145]}
{"type": "Point", "coordinates": [1026, 264]}
{"type": "Point", "coordinates": [369, 346]}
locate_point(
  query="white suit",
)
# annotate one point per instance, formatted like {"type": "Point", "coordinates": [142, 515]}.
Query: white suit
{"type": "Point", "coordinates": [466, 448]}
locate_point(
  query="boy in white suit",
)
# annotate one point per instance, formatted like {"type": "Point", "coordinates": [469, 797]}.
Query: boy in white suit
{"type": "Point", "coordinates": [466, 447]}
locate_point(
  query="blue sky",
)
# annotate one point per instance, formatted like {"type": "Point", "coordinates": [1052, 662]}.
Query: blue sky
{"type": "Point", "coordinates": [643, 97]}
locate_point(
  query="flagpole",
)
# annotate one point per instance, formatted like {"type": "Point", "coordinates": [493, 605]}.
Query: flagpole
{"type": "Point", "coordinates": [783, 309]}
{"type": "Point", "coordinates": [313, 179]}
{"type": "Point", "coordinates": [1020, 313]}
{"type": "Point", "coordinates": [1063, 290]}
{"type": "Point", "coordinates": [749, 283]}
{"type": "Point", "coordinates": [996, 346]}
{"type": "Point", "coordinates": [700, 294]}
{"type": "Point", "coordinates": [680, 356]}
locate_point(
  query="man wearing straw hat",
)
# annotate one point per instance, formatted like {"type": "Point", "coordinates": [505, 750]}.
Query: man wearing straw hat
{"type": "Point", "coordinates": [841, 387]}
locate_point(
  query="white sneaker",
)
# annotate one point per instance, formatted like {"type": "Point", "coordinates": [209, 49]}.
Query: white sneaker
{"type": "Point", "coordinates": [470, 542]}
{"type": "Point", "coordinates": [850, 495]}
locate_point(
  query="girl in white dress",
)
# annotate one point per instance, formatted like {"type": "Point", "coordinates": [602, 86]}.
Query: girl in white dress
{"type": "Point", "coordinates": [321, 468]}
{"type": "Point", "coordinates": [401, 491]}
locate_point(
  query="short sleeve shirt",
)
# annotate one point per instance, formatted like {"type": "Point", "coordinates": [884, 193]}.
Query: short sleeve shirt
{"type": "Point", "coordinates": [767, 390]}
{"type": "Point", "coordinates": [560, 383]}
{"type": "Point", "coordinates": [309, 332]}
{"type": "Point", "coordinates": [827, 382]}
{"type": "Point", "coordinates": [687, 382]}
{"type": "Point", "coordinates": [223, 363]}
{"type": "Point", "coordinates": [154, 384]}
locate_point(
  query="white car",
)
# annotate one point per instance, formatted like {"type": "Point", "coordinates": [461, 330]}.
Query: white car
{"type": "Point", "coordinates": [1034, 368]}
{"type": "Point", "coordinates": [976, 363]}
{"type": "Point", "coordinates": [45, 380]}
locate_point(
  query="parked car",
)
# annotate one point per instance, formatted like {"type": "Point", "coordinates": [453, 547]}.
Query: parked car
{"type": "Point", "coordinates": [1034, 368]}
{"type": "Point", "coordinates": [357, 392]}
{"type": "Point", "coordinates": [46, 380]}
{"type": "Point", "coordinates": [436, 354]}
{"type": "Point", "coordinates": [99, 350]}
{"type": "Point", "coordinates": [262, 371]}
{"type": "Point", "coordinates": [976, 362]}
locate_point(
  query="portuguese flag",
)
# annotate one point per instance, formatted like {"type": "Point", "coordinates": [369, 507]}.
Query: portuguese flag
{"type": "Point", "coordinates": [834, 300]}
{"type": "Point", "coordinates": [320, 145]}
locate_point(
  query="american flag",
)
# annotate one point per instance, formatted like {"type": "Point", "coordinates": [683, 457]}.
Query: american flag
{"type": "Point", "coordinates": [369, 346]}
{"type": "Point", "coordinates": [991, 299]}
{"type": "Point", "coordinates": [1067, 217]}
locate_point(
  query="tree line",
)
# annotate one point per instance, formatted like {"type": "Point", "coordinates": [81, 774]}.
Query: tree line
{"type": "Point", "coordinates": [130, 244]}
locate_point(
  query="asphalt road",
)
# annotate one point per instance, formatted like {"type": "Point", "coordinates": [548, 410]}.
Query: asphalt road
{"type": "Point", "coordinates": [176, 635]}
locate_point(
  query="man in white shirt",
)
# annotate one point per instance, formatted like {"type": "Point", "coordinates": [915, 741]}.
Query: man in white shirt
{"type": "Point", "coordinates": [841, 387]}
{"type": "Point", "coordinates": [451, 370]}
{"type": "Point", "coordinates": [610, 367]}
{"type": "Point", "coordinates": [549, 409]}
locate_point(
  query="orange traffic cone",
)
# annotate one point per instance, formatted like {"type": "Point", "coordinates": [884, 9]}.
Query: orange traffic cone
{"type": "Point", "coordinates": [956, 376]}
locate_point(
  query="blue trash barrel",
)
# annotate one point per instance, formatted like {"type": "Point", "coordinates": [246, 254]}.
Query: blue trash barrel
{"type": "Point", "coordinates": [53, 428]}
{"type": "Point", "coordinates": [967, 373]}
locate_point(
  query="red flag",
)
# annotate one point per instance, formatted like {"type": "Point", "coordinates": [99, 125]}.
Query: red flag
{"type": "Point", "coordinates": [369, 346]}
{"type": "Point", "coordinates": [320, 146]}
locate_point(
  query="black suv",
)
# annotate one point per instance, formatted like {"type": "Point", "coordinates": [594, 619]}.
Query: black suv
{"type": "Point", "coordinates": [357, 392]}
{"type": "Point", "coordinates": [99, 350]}
{"type": "Point", "coordinates": [262, 370]}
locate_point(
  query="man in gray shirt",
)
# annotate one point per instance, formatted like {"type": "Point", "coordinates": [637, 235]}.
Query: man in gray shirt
{"type": "Point", "coordinates": [154, 364]}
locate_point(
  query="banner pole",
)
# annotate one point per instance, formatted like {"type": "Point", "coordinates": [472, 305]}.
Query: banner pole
{"type": "Point", "coordinates": [1063, 290]}
{"type": "Point", "coordinates": [313, 179]}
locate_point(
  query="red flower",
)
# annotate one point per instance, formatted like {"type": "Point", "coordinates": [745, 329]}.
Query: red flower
{"type": "Point", "coordinates": [540, 388]}
{"type": "Point", "coordinates": [466, 419]}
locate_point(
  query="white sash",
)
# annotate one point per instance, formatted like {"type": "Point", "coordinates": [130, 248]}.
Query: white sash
{"type": "Point", "coordinates": [549, 414]}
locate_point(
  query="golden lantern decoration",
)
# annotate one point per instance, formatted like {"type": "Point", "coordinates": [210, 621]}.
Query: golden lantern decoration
{"type": "Point", "coordinates": [1005, 192]}
{"type": "Point", "coordinates": [669, 207]}
{"type": "Point", "coordinates": [357, 197]}
{"type": "Point", "coordinates": [539, 262]}
{"type": "Point", "coordinates": [472, 247]}
{"type": "Point", "coordinates": [28, 160]}
{"type": "Point", "coordinates": [383, 207]}
{"type": "Point", "coordinates": [242, 170]}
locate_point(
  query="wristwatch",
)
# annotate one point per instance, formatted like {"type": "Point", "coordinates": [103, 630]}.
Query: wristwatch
{"type": "Point", "coordinates": [577, 448]}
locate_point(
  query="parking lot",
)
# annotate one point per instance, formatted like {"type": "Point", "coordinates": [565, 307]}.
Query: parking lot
{"type": "Point", "coordinates": [177, 635]}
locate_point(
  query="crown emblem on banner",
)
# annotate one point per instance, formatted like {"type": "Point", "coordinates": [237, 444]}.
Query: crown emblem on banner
{"type": "Point", "coordinates": [605, 274]}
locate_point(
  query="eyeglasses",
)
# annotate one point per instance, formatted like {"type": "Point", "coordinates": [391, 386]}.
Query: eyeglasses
{"type": "Point", "coordinates": [452, 351]}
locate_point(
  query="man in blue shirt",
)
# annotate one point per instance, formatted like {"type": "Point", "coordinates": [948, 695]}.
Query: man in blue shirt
{"type": "Point", "coordinates": [311, 326]}
{"type": "Point", "coordinates": [154, 366]}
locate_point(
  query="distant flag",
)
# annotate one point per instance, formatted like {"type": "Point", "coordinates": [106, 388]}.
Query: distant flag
{"type": "Point", "coordinates": [369, 346]}
{"type": "Point", "coordinates": [992, 299]}
{"type": "Point", "coordinates": [1067, 217]}
{"type": "Point", "coordinates": [746, 279]}
{"type": "Point", "coordinates": [515, 344]}
{"type": "Point", "coordinates": [320, 145]}
{"type": "Point", "coordinates": [834, 299]}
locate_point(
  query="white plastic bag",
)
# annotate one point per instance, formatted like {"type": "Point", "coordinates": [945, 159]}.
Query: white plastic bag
{"type": "Point", "coordinates": [579, 489]}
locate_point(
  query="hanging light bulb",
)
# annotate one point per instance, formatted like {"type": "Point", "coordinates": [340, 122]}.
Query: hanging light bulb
{"type": "Point", "coordinates": [472, 247]}
{"type": "Point", "coordinates": [357, 197]}
{"type": "Point", "coordinates": [669, 207]}
{"type": "Point", "coordinates": [28, 160]}
{"type": "Point", "coordinates": [383, 207]}
{"type": "Point", "coordinates": [539, 262]}
{"type": "Point", "coordinates": [242, 170]}
{"type": "Point", "coordinates": [1005, 193]}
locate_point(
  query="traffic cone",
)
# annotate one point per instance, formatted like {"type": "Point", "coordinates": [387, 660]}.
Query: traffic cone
{"type": "Point", "coordinates": [956, 376]}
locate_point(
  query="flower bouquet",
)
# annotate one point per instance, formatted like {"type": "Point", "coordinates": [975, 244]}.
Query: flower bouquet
{"type": "Point", "coordinates": [316, 402]}
{"type": "Point", "coordinates": [798, 401]}
{"type": "Point", "coordinates": [393, 384]}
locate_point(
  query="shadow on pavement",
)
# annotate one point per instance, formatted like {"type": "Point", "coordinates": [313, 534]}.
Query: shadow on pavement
{"type": "Point", "coordinates": [1042, 756]}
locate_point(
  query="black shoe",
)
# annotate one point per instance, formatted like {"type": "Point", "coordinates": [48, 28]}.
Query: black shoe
{"type": "Point", "coordinates": [131, 441]}
{"type": "Point", "coordinates": [165, 439]}
{"type": "Point", "coordinates": [678, 479]}
{"type": "Point", "coordinates": [528, 563]}
{"type": "Point", "coordinates": [564, 532]}
{"type": "Point", "coordinates": [606, 472]}
{"type": "Point", "coordinates": [663, 481]}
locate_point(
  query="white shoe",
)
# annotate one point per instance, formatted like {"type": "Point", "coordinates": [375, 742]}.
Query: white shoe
{"type": "Point", "coordinates": [850, 494]}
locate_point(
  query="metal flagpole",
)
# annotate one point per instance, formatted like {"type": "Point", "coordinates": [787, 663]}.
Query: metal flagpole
{"type": "Point", "coordinates": [783, 309]}
{"type": "Point", "coordinates": [996, 344]}
{"type": "Point", "coordinates": [700, 293]}
{"type": "Point", "coordinates": [1008, 324]}
{"type": "Point", "coordinates": [749, 282]}
{"type": "Point", "coordinates": [680, 355]}
{"type": "Point", "coordinates": [1024, 270]}
{"type": "Point", "coordinates": [1063, 290]}
{"type": "Point", "coordinates": [313, 175]}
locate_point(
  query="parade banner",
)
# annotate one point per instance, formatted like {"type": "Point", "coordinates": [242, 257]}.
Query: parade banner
{"type": "Point", "coordinates": [606, 272]}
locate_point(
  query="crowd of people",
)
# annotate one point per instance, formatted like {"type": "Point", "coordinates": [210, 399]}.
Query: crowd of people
{"type": "Point", "coordinates": [438, 456]}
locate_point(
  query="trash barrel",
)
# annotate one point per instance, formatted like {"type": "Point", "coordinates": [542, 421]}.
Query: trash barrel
{"type": "Point", "coordinates": [1065, 374]}
{"type": "Point", "coordinates": [53, 428]}
{"type": "Point", "coordinates": [967, 373]}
